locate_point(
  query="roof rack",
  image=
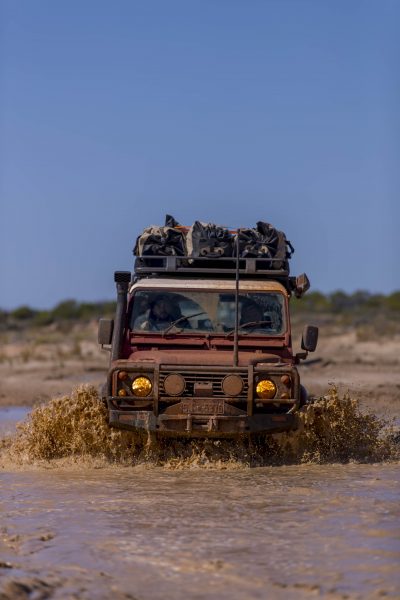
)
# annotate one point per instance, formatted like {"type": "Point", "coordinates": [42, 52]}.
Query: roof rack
{"type": "Point", "coordinates": [223, 268]}
{"type": "Point", "coordinates": [184, 265]}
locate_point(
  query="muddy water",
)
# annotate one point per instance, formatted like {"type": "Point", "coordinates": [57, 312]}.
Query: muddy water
{"type": "Point", "coordinates": [78, 527]}
{"type": "Point", "coordinates": [248, 533]}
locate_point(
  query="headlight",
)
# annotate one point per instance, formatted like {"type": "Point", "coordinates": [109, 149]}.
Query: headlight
{"type": "Point", "coordinates": [266, 389]}
{"type": "Point", "coordinates": [141, 386]}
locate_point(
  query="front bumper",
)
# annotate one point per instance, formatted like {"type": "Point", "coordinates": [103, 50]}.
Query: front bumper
{"type": "Point", "coordinates": [191, 425]}
{"type": "Point", "coordinates": [203, 410]}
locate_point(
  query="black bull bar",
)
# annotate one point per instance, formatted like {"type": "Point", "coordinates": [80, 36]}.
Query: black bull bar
{"type": "Point", "coordinates": [196, 425]}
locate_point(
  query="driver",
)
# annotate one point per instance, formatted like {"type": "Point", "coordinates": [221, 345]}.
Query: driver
{"type": "Point", "coordinates": [161, 314]}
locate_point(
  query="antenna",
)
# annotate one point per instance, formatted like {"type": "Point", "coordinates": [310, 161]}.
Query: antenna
{"type": "Point", "coordinates": [236, 336]}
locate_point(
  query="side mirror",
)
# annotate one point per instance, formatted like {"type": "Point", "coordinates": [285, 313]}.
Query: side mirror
{"type": "Point", "coordinates": [310, 338]}
{"type": "Point", "coordinates": [302, 285]}
{"type": "Point", "coordinates": [105, 331]}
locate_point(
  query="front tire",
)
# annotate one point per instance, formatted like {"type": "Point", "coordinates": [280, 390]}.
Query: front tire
{"type": "Point", "coordinates": [303, 396]}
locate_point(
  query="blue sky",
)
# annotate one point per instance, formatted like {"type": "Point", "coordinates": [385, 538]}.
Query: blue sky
{"type": "Point", "coordinates": [114, 113]}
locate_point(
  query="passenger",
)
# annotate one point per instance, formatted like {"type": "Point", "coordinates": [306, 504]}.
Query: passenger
{"type": "Point", "coordinates": [276, 322]}
{"type": "Point", "coordinates": [273, 311]}
{"type": "Point", "coordinates": [251, 312]}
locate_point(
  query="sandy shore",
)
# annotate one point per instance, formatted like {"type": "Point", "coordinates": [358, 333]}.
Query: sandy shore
{"type": "Point", "coordinates": [36, 365]}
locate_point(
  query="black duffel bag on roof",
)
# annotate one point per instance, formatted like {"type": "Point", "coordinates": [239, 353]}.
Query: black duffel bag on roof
{"type": "Point", "coordinates": [266, 242]}
{"type": "Point", "coordinates": [209, 241]}
{"type": "Point", "coordinates": [161, 241]}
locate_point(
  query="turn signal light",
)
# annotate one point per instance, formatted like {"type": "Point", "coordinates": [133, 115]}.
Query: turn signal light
{"type": "Point", "coordinates": [141, 386]}
{"type": "Point", "coordinates": [266, 389]}
{"type": "Point", "coordinates": [121, 392]}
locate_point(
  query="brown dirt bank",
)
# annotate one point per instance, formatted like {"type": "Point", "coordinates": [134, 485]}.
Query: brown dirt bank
{"type": "Point", "coordinates": [369, 370]}
{"type": "Point", "coordinates": [39, 364]}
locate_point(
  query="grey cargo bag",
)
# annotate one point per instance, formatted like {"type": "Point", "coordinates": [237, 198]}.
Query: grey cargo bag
{"type": "Point", "coordinates": [265, 242]}
{"type": "Point", "coordinates": [207, 240]}
{"type": "Point", "coordinates": [167, 240]}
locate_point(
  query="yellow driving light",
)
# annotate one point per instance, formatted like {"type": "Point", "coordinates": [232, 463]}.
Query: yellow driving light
{"type": "Point", "coordinates": [141, 386]}
{"type": "Point", "coordinates": [266, 389]}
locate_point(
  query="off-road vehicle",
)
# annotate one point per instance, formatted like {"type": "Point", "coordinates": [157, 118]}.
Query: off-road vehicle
{"type": "Point", "coordinates": [203, 348]}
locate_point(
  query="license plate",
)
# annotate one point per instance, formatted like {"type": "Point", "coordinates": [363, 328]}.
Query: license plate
{"type": "Point", "coordinates": [203, 407]}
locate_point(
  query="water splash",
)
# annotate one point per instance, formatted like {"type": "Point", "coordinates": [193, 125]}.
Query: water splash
{"type": "Point", "coordinates": [334, 429]}
{"type": "Point", "coordinates": [72, 426]}
{"type": "Point", "coordinates": [331, 429]}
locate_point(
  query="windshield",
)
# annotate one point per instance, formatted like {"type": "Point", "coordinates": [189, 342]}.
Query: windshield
{"type": "Point", "coordinates": [211, 311]}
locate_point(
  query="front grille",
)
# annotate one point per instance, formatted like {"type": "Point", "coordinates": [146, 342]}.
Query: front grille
{"type": "Point", "coordinates": [191, 378]}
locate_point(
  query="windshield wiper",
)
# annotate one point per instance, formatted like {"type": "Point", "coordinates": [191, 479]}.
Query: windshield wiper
{"type": "Point", "coordinates": [183, 318]}
{"type": "Point", "coordinates": [248, 324]}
